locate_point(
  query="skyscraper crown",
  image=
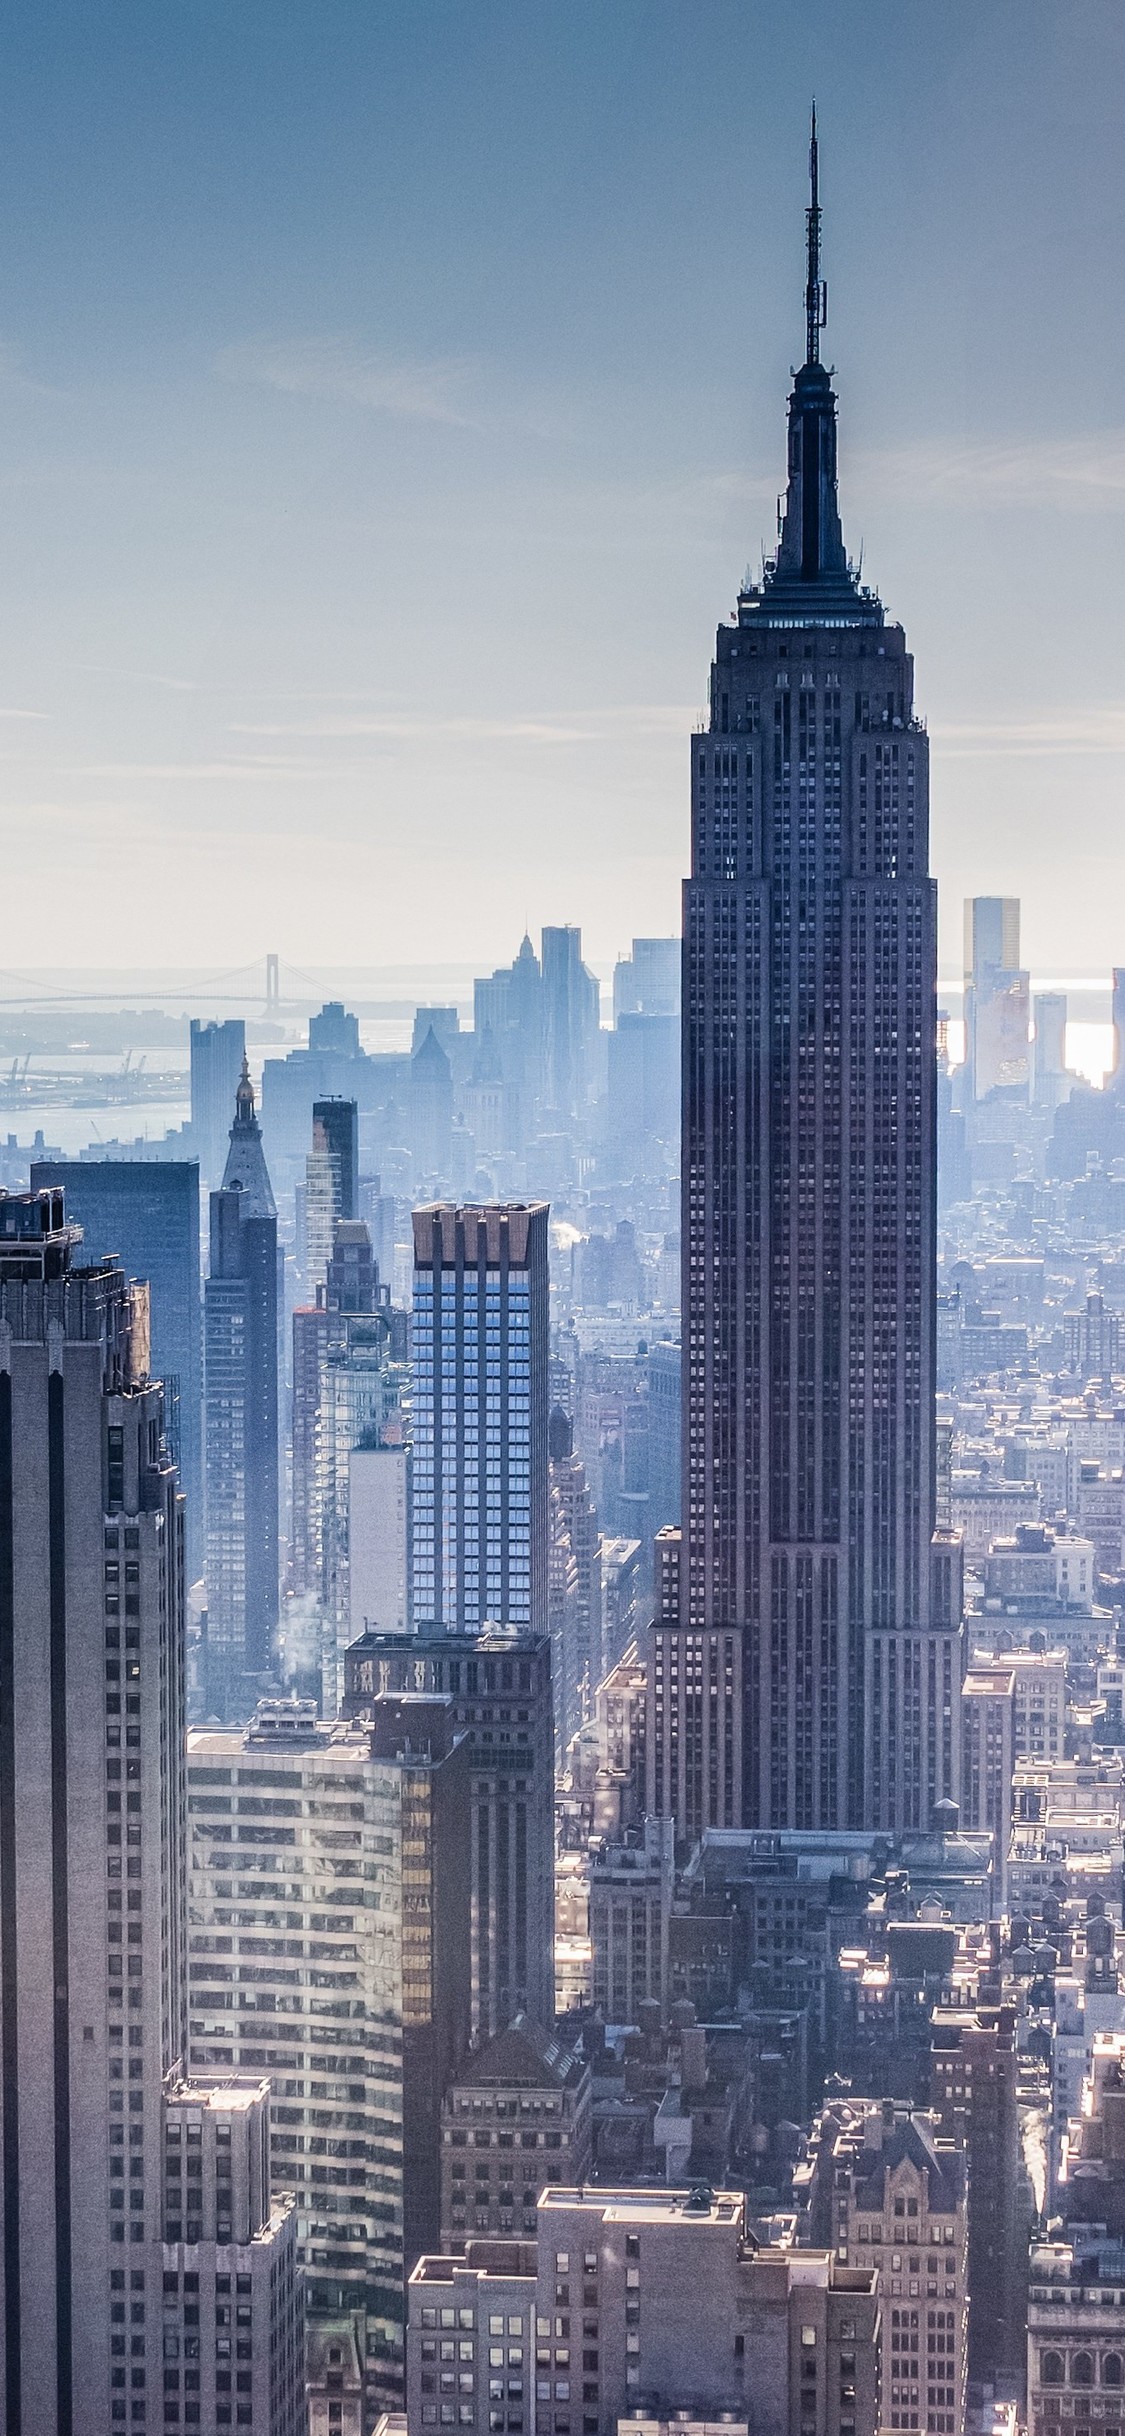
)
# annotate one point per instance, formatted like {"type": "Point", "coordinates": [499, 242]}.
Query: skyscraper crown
{"type": "Point", "coordinates": [246, 1171]}
{"type": "Point", "coordinates": [811, 581]}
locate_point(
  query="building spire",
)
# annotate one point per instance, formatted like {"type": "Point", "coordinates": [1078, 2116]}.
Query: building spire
{"type": "Point", "coordinates": [244, 1096]}
{"type": "Point", "coordinates": [810, 578]}
{"type": "Point", "coordinates": [246, 1171]}
{"type": "Point", "coordinates": [816, 291]}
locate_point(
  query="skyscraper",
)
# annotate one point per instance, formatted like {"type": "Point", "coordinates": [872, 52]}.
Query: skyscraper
{"type": "Point", "coordinates": [480, 1417]}
{"type": "Point", "coordinates": [431, 1107]}
{"type": "Point", "coordinates": [570, 1025]}
{"type": "Point", "coordinates": [345, 1389]}
{"type": "Point", "coordinates": [643, 1098]}
{"type": "Point", "coordinates": [91, 1721]}
{"type": "Point", "coordinates": [360, 1389]}
{"type": "Point", "coordinates": [811, 1674]}
{"type": "Point", "coordinates": [95, 2241]}
{"type": "Point", "coordinates": [306, 1504]}
{"type": "Point", "coordinates": [1115, 1079]}
{"type": "Point", "coordinates": [373, 1875]}
{"type": "Point", "coordinates": [500, 1687]}
{"type": "Point", "coordinates": [997, 999]}
{"type": "Point", "coordinates": [331, 1182]}
{"type": "Point", "coordinates": [148, 1213]}
{"type": "Point", "coordinates": [508, 1010]}
{"type": "Point", "coordinates": [1049, 1082]}
{"type": "Point", "coordinates": [217, 1054]}
{"type": "Point", "coordinates": [648, 981]}
{"type": "Point", "coordinates": [240, 1390]}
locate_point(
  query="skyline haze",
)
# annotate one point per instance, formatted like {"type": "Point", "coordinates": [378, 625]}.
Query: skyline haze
{"type": "Point", "coordinates": [373, 475]}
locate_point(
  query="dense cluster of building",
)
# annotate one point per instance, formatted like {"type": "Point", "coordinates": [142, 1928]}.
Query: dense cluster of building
{"type": "Point", "coordinates": [562, 1758]}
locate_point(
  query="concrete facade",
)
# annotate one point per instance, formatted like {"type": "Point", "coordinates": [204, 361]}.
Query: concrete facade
{"type": "Point", "coordinates": [650, 2302]}
{"type": "Point", "coordinates": [517, 2116]}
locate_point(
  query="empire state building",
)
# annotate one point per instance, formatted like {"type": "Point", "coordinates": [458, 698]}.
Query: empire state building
{"type": "Point", "coordinates": [806, 1657]}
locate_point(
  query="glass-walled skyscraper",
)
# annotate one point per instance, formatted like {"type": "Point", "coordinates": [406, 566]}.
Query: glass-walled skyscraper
{"type": "Point", "coordinates": [479, 1545]}
{"type": "Point", "coordinates": [147, 1212]}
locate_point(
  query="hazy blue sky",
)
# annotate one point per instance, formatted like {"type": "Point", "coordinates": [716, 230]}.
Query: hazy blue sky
{"type": "Point", "coordinates": [392, 395]}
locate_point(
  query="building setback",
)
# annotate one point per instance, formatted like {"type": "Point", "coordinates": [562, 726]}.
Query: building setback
{"type": "Point", "coordinates": [806, 1660]}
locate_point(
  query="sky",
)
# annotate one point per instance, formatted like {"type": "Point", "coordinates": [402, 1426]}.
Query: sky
{"type": "Point", "coordinates": [392, 397]}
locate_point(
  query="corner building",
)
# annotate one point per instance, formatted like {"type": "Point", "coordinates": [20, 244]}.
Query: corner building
{"type": "Point", "coordinates": [807, 1653]}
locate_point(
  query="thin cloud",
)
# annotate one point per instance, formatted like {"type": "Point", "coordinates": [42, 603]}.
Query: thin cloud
{"type": "Point", "coordinates": [252, 765]}
{"type": "Point", "coordinates": [13, 375]}
{"type": "Point", "coordinates": [1086, 471]}
{"type": "Point", "coordinates": [579, 727]}
{"type": "Point", "coordinates": [343, 368]}
{"type": "Point", "coordinates": [398, 728]}
{"type": "Point", "coordinates": [1099, 730]}
{"type": "Point", "coordinates": [23, 714]}
{"type": "Point", "coordinates": [139, 676]}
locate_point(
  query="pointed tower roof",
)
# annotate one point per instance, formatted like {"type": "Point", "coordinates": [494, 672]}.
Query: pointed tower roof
{"type": "Point", "coordinates": [811, 580]}
{"type": "Point", "coordinates": [245, 1171]}
{"type": "Point", "coordinates": [429, 1054]}
{"type": "Point", "coordinates": [522, 2056]}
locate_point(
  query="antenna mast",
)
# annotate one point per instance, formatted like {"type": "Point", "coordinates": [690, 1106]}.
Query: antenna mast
{"type": "Point", "coordinates": [816, 289]}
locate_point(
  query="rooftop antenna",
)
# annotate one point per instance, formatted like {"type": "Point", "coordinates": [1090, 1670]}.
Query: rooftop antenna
{"type": "Point", "coordinates": [816, 289]}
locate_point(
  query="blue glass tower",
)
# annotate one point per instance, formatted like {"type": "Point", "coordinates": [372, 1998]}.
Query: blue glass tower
{"type": "Point", "coordinates": [479, 1537]}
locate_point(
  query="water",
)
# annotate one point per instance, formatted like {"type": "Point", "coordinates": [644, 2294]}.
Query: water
{"type": "Point", "coordinates": [1089, 1050]}
{"type": "Point", "coordinates": [108, 1117]}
